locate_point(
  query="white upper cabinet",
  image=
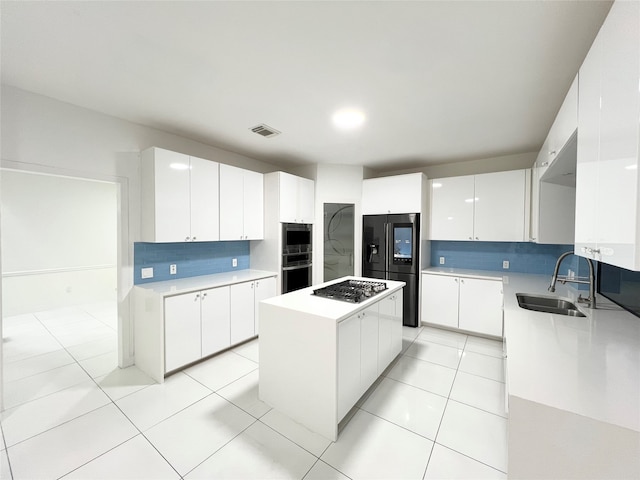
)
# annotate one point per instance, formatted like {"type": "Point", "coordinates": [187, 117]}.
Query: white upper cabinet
{"type": "Point", "coordinates": [241, 204]}
{"type": "Point", "coordinates": [564, 125]}
{"type": "Point", "coordinates": [452, 208]}
{"type": "Point", "coordinates": [500, 201]}
{"type": "Point", "coordinates": [487, 207]}
{"type": "Point", "coordinates": [179, 197]}
{"type": "Point", "coordinates": [396, 194]}
{"type": "Point", "coordinates": [296, 198]}
{"type": "Point", "coordinates": [607, 196]}
{"type": "Point", "coordinates": [552, 192]}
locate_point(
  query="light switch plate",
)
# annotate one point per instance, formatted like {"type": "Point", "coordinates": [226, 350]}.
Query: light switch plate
{"type": "Point", "coordinates": [147, 272]}
{"type": "Point", "coordinates": [234, 262]}
{"type": "Point", "coordinates": [173, 269]}
{"type": "Point", "coordinates": [505, 264]}
{"type": "Point", "coordinates": [441, 260]}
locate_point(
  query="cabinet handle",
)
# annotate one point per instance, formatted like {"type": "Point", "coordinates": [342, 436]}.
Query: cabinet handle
{"type": "Point", "coordinates": [456, 280]}
{"type": "Point", "coordinates": [196, 297]}
{"type": "Point", "coordinates": [470, 238]}
{"type": "Point", "coordinates": [251, 284]}
{"type": "Point", "coordinates": [257, 284]}
{"type": "Point", "coordinates": [461, 281]}
{"type": "Point", "coordinates": [193, 239]}
{"type": "Point", "coordinates": [204, 295]}
{"type": "Point", "coordinates": [544, 164]}
{"type": "Point", "coordinates": [477, 238]}
{"type": "Point", "coordinates": [186, 239]}
{"type": "Point", "coordinates": [552, 152]}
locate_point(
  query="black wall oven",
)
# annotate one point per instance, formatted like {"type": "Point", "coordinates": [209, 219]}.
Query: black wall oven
{"type": "Point", "coordinates": [296, 256]}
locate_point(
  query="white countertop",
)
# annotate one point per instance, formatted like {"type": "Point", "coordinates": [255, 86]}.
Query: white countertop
{"type": "Point", "coordinates": [192, 284]}
{"type": "Point", "coordinates": [586, 365]}
{"type": "Point", "coordinates": [304, 301]}
{"type": "Point", "coordinates": [464, 272]}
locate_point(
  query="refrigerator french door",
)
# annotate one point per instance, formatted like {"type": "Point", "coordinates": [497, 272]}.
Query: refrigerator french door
{"type": "Point", "coordinates": [390, 252]}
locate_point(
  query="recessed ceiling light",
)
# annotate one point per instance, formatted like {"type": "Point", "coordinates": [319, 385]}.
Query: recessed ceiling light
{"type": "Point", "coordinates": [348, 118]}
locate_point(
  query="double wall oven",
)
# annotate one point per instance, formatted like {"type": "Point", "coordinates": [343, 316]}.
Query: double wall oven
{"type": "Point", "coordinates": [296, 256]}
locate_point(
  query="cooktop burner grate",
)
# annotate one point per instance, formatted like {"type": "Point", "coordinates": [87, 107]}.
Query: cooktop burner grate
{"type": "Point", "coordinates": [354, 291]}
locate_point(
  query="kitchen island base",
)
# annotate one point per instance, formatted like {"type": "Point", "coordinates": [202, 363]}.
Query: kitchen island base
{"type": "Point", "coordinates": [318, 356]}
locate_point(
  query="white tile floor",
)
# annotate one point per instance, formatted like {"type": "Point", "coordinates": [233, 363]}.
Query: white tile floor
{"type": "Point", "coordinates": [437, 412]}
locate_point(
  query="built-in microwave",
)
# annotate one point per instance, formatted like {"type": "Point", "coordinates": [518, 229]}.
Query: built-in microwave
{"type": "Point", "coordinates": [296, 237]}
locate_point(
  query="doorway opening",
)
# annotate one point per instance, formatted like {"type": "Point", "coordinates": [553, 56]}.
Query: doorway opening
{"type": "Point", "coordinates": [339, 230]}
{"type": "Point", "coordinates": [59, 281]}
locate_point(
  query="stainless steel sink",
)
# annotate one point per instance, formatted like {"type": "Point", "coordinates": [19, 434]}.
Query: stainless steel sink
{"type": "Point", "coordinates": [548, 304]}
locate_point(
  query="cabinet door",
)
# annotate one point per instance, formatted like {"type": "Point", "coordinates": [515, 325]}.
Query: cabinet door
{"type": "Point", "coordinates": [348, 364]}
{"type": "Point", "coordinates": [264, 288]}
{"type": "Point", "coordinates": [390, 330]}
{"type": "Point", "coordinates": [242, 312]}
{"type": "Point", "coordinates": [306, 200]}
{"type": "Point", "coordinates": [395, 194]}
{"type": "Point", "coordinates": [368, 347]}
{"type": "Point", "coordinates": [481, 306]}
{"type": "Point", "coordinates": [231, 203]}
{"type": "Point", "coordinates": [452, 202]}
{"type": "Point", "coordinates": [499, 206]}
{"type": "Point", "coordinates": [253, 206]}
{"type": "Point", "coordinates": [181, 330]}
{"type": "Point", "coordinates": [588, 149]}
{"type": "Point", "coordinates": [288, 197]}
{"type": "Point", "coordinates": [205, 207]}
{"type": "Point", "coordinates": [565, 122]}
{"type": "Point", "coordinates": [171, 199]}
{"type": "Point", "coordinates": [617, 204]}
{"type": "Point", "coordinates": [216, 320]}
{"type": "Point", "coordinates": [440, 300]}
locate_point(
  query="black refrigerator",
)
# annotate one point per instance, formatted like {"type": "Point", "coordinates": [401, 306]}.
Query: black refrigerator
{"type": "Point", "coordinates": [390, 251]}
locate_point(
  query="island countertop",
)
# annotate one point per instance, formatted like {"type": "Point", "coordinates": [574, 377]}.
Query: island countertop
{"type": "Point", "coordinates": [304, 301]}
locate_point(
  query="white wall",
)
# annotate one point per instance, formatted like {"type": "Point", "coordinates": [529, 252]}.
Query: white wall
{"type": "Point", "coordinates": [44, 135]}
{"type": "Point", "coordinates": [59, 238]}
{"type": "Point", "coordinates": [469, 167]}
{"type": "Point", "coordinates": [337, 184]}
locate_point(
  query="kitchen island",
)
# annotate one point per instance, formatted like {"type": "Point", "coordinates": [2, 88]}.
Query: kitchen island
{"type": "Point", "coordinates": [319, 355]}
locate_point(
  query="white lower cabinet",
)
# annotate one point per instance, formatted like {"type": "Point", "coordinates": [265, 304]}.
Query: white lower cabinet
{"type": "Point", "coordinates": [245, 300]}
{"type": "Point", "coordinates": [215, 313]}
{"type": "Point", "coordinates": [367, 342]}
{"type": "Point", "coordinates": [471, 304]}
{"type": "Point", "coordinates": [348, 364]}
{"type": "Point", "coordinates": [196, 325]}
{"type": "Point", "coordinates": [390, 330]}
{"type": "Point", "coordinates": [182, 330]}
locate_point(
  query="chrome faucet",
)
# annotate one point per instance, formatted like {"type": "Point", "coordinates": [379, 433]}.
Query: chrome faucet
{"type": "Point", "coordinates": [591, 301]}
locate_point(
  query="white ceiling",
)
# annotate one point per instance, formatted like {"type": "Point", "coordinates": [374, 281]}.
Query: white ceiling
{"type": "Point", "coordinates": [439, 81]}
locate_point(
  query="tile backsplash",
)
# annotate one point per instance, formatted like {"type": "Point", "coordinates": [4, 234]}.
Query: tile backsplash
{"type": "Point", "coordinates": [523, 257]}
{"type": "Point", "coordinates": [191, 259]}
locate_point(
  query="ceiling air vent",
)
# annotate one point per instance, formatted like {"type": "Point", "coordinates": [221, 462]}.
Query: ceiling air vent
{"type": "Point", "coordinates": [265, 130]}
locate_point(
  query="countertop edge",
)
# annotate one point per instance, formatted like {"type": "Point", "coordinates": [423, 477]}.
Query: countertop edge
{"type": "Point", "coordinates": [167, 288]}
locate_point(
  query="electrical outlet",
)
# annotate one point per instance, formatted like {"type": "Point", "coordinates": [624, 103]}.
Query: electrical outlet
{"type": "Point", "coordinates": [147, 272]}
{"type": "Point", "coordinates": [173, 269]}
{"type": "Point", "coordinates": [441, 260]}
{"type": "Point", "coordinates": [505, 264]}
{"type": "Point", "coordinates": [234, 262]}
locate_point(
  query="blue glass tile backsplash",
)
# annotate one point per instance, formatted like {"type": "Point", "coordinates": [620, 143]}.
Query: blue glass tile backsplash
{"type": "Point", "coordinates": [191, 259]}
{"type": "Point", "coordinates": [523, 257]}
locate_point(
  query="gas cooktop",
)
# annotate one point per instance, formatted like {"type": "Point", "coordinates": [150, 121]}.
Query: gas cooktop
{"type": "Point", "coordinates": [354, 291]}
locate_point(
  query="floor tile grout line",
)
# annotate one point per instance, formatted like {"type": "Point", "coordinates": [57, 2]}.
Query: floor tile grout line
{"type": "Point", "coordinates": [223, 445]}
{"type": "Point", "coordinates": [444, 411]}
{"type": "Point", "coordinates": [6, 451]}
{"type": "Point", "coordinates": [469, 457]}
